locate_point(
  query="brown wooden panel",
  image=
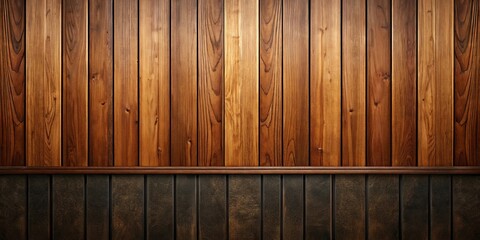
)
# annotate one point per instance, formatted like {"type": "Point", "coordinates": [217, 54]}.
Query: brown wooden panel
{"type": "Point", "coordinates": [383, 207]}
{"type": "Point", "coordinates": [353, 83]}
{"type": "Point", "coordinates": [467, 87]}
{"type": "Point", "coordinates": [466, 202]}
{"type": "Point", "coordinates": [159, 207]}
{"type": "Point", "coordinates": [271, 206]}
{"type": "Point", "coordinates": [435, 82]}
{"type": "Point", "coordinates": [12, 85]}
{"type": "Point", "coordinates": [440, 207]}
{"type": "Point", "coordinates": [295, 83]}
{"type": "Point", "coordinates": [349, 201]}
{"type": "Point", "coordinates": [44, 75]}
{"type": "Point", "coordinates": [244, 207]}
{"type": "Point", "coordinates": [127, 203]}
{"type": "Point", "coordinates": [186, 207]}
{"type": "Point", "coordinates": [293, 206]}
{"type": "Point", "coordinates": [378, 82]}
{"type": "Point", "coordinates": [100, 67]}
{"type": "Point", "coordinates": [97, 207]}
{"type": "Point", "coordinates": [318, 206]}
{"type": "Point", "coordinates": [241, 83]}
{"type": "Point", "coordinates": [325, 82]}
{"type": "Point", "coordinates": [13, 206]}
{"type": "Point", "coordinates": [75, 83]}
{"type": "Point", "coordinates": [39, 207]}
{"type": "Point", "coordinates": [125, 70]}
{"type": "Point", "coordinates": [210, 83]}
{"type": "Point", "coordinates": [404, 82]}
{"type": "Point", "coordinates": [414, 201]}
{"type": "Point", "coordinates": [184, 83]}
{"type": "Point", "coordinates": [154, 83]}
{"type": "Point", "coordinates": [271, 149]}
{"type": "Point", "coordinates": [212, 207]}
{"type": "Point", "coordinates": [68, 207]}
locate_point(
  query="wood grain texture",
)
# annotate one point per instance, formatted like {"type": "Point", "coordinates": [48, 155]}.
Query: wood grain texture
{"type": "Point", "coordinates": [466, 202]}
{"type": "Point", "coordinates": [184, 83]}
{"type": "Point", "coordinates": [379, 82]}
{"type": "Point", "coordinates": [13, 206]}
{"type": "Point", "coordinates": [186, 207]}
{"type": "Point", "coordinates": [154, 83]}
{"type": "Point", "coordinates": [295, 83]}
{"type": "Point", "coordinates": [293, 207]}
{"type": "Point", "coordinates": [404, 83]}
{"type": "Point", "coordinates": [353, 83]}
{"type": "Point", "coordinates": [271, 92]}
{"type": "Point", "coordinates": [12, 85]}
{"type": "Point", "coordinates": [435, 82]}
{"type": "Point", "coordinates": [39, 207]}
{"type": "Point", "coordinates": [125, 70]}
{"type": "Point", "coordinates": [212, 207]}
{"type": "Point", "coordinates": [97, 212]}
{"type": "Point", "coordinates": [210, 82]}
{"type": "Point", "coordinates": [159, 207]}
{"type": "Point", "coordinates": [440, 207]}
{"type": "Point", "coordinates": [68, 206]}
{"type": "Point", "coordinates": [75, 83]}
{"type": "Point", "coordinates": [241, 83]}
{"type": "Point", "coordinates": [244, 207]}
{"type": "Point", "coordinates": [325, 83]}
{"type": "Point", "coordinates": [467, 87]}
{"type": "Point", "coordinates": [318, 207]}
{"type": "Point", "coordinates": [414, 215]}
{"type": "Point", "coordinates": [44, 81]}
{"type": "Point", "coordinates": [271, 206]}
{"type": "Point", "coordinates": [127, 207]}
{"type": "Point", "coordinates": [100, 68]}
{"type": "Point", "coordinates": [383, 207]}
{"type": "Point", "coordinates": [350, 221]}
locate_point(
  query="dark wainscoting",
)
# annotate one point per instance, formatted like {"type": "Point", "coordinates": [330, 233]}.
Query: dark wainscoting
{"type": "Point", "coordinates": [239, 206]}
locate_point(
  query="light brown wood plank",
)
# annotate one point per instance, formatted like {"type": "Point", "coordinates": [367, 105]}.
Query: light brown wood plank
{"type": "Point", "coordinates": [44, 75]}
{"type": "Point", "coordinates": [241, 83]}
{"type": "Point", "coordinates": [154, 83]}
{"type": "Point", "coordinates": [325, 82]}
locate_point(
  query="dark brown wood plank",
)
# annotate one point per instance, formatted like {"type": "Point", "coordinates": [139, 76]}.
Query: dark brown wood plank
{"type": "Point", "coordinates": [13, 206]}
{"type": "Point", "coordinates": [353, 83]}
{"type": "Point", "coordinates": [441, 207]}
{"type": "Point", "coordinates": [383, 207]}
{"type": "Point", "coordinates": [75, 83]}
{"type": "Point", "coordinates": [466, 202]}
{"type": "Point", "coordinates": [97, 207]}
{"type": "Point", "coordinates": [271, 149]}
{"type": "Point", "coordinates": [160, 207]}
{"type": "Point", "coordinates": [184, 83]}
{"type": "Point", "coordinates": [293, 206]}
{"type": "Point", "coordinates": [125, 67]}
{"type": "Point", "coordinates": [39, 207]}
{"type": "Point", "coordinates": [318, 206]}
{"type": "Point", "coordinates": [100, 68]}
{"type": "Point", "coordinates": [467, 87]}
{"type": "Point", "coordinates": [349, 201]}
{"type": "Point", "coordinates": [379, 83]}
{"type": "Point", "coordinates": [127, 203]}
{"type": "Point", "coordinates": [414, 215]}
{"type": "Point", "coordinates": [12, 86]}
{"type": "Point", "coordinates": [212, 207]}
{"type": "Point", "coordinates": [244, 207]}
{"type": "Point", "coordinates": [404, 82]}
{"type": "Point", "coordinates": [68, 207]}
{"type": "Point", "coordinates": [272, 207]}
{"type": "Point", "coordinates": [186, 207]}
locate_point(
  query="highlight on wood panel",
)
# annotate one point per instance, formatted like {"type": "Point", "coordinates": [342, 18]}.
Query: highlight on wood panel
{"type": "Point", "coordinates": [467, 87]}
{"type": "Point", "coordinates": [184, 83]}
{"type": "Point", "coordinates": [353, 83]}
{"type": "Point", "coordinates": [12, 84]}
{"type": "Point", "coordinates": [154, 47]}
{"type": "Point", "coordinates": [325, 83]}
{"type": "Point", "coordinates": [241, 83]}
{"type": "Point", "coordinates": [43, 83]}
{"type": "Point", "coordinates": [210, 83]}
{"type": "Point", "coordinates": [435, 82]}
{"type": "Point", "coordinates": [75, 83]}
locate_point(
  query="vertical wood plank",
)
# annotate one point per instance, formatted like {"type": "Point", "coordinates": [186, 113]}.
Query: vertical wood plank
{"type": "Point", "coordinates": [68, 206]}
{"type": "Point", "coordinates": [44, 75]}
{"type": "Point", "coordinates": [271, 149]}
{"type": "Point", "coordinates": [295, 83]}
{"type": "Point", "coordinates": [154, 83]}
{"type": "Point", "coordinates": [184, 83]}
{"type": "Point", "coordinates": [212, 207]}
{"type": "Point", "coordinates": [349, 207]}
{"type": "Point", "coordinates": [241, 83]}
{"type": "Point", "coordinates": [318, 208]}
{"type": "Point", "coordinates": [440, 207]}
{"type": "Point", "coordinates": [353, 83]}
{"type": "Point", "coordinates": [466, 203]}
{"type": "Point", "coordinates": [75, 83]}
{"type": "Point", "coordinates": [12, 86]}
{"type": "Point", "coordinates": [127, 207]}
{"type": "Point", "coordinates": [160, 207]}
{"type": "Point", "coordinates": [13, 206]}
{"type": "Point", "coordinates": [383, 206]}
{"type": "Point", "coordinates": [244, 207]}
{"type": "Point", "coordinates": [467, 88]}
{"type": "Point", "coordinates": [98, 207]}
{"type": "Point", "coordinates": [325, 82]}
{"type": "Point", "coordinates": [210, 83]}
{"type": "Point", "coordinates": [404, 82]}
{"type": "Point", "coordinates": [39, 207]}
{"type": "Point", "coordinates": [414, 215]}
{"type": "Point", "coordinates": [271, 206]}
{"type": "Point", "coordinates": [125, 89]}
{"type": "Point", "coordinates": [435, 82]}
{"type": "Point", "coordinates": [186, 207]}
{"type": "Point", "coordinates": [100, 67]}
{"type": "Point", "coordinates": [293, 206]}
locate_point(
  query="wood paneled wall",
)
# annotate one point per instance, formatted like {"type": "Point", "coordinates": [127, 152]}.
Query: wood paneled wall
{"type": "Point", "coordinates": [240, 83]}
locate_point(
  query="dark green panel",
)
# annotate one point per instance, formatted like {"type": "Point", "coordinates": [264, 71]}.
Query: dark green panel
{"type": "Point", "coordinates": [272, 206]}
{"type": "Point", "coordinates": [318, 209]}
{"type": "Point", "coordinates": [127, 207]}
{"type": "Point", "coordinates": [414, 206]}
{"type": "Point", "coordinates": [440, 207]}
{"type": "Point", "coordinates": [98, 207]}
{"type": "Point", "coordinates": [39, 207]}
{"type": "Point", "coordinates": [466, 207]}
{"type": "Point", "coordinates": [68, 206]}
{"type": "Point", "coordinates": [293, 206]}
{"type": "Point", "coordinates": [160, 206]}
{"type": "Point", "coordinates": [212, 209]}
{"type": "Point", "coordinates": [13, 205]}
{"type": "Point", "coordinates": [244, 206]}
{"type": "Point", "coordinates": [349, 207]}
{"type": "Point", "coordinates": [383, 207]}
{"type": "Point", "coordinates": [186, 207]}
